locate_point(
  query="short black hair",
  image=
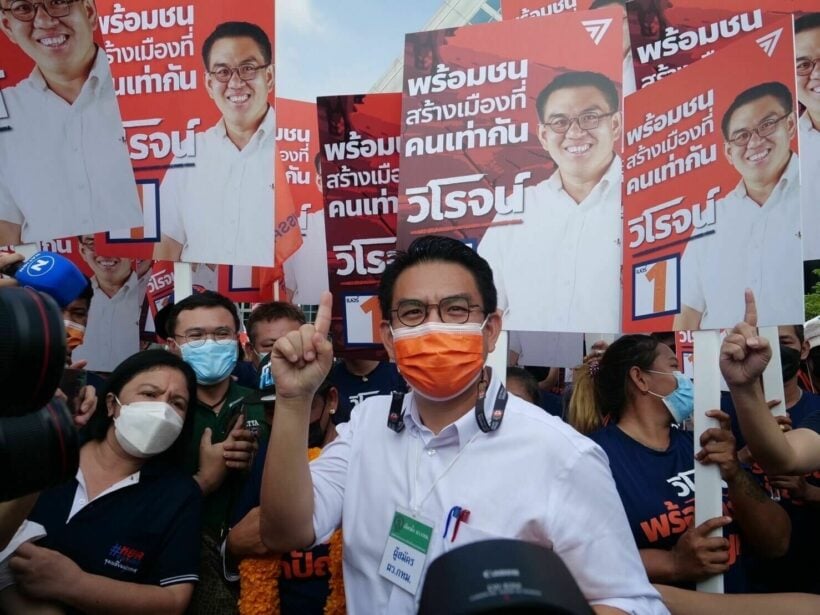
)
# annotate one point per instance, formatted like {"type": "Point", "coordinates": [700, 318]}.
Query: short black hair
{"type": "Point", "coordinates": [237, 29]}
{"type": "Point", "coordinates": [809, 21]}
{"type": "Point", "coordinates": [437, 248]}
{"type": "Point", "coordinates": [599, 3]}
{"type": "Point", "coordinates": [206, 299]}
{"type": "Point", "coordinates": [799, 332]}
{"type": "Point", "coordinates": [527, 380]}
{"type": "Point", "coordinates": [134, 365]}
{"type": "Point", "coordinates": [774, 89]}
{"type": "Point", "coordinates": [579, 79]}
{"type": "Point", "coordinates": [266, 312]}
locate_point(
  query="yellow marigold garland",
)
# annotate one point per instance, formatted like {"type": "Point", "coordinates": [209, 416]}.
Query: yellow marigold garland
{"type": "Point", "coordinates": [259, 578]}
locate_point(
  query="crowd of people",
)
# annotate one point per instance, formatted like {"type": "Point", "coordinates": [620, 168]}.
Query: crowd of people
{"type": "Point", "coordinates": [197, 494]}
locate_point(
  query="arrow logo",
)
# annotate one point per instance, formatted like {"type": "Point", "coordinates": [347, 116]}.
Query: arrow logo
{"type": "Point", "coordinates": [768, 43]}
{"type": "Point", "coordinates": [596, 28]}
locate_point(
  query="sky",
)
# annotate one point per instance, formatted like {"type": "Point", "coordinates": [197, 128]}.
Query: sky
{"type": "Point", "coordinates": [330, 47]}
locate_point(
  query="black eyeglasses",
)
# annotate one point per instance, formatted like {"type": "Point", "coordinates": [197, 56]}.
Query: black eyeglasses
{"type": "Point", "coordinates": [246, 72]}
{"type": "Point", "coordinates": [586, 121]}
{"type": "Point", "coordinates": [805, 66]}
{"type": "Point", "coordinates": [741, 138]}
{"type": "Point", "coordinates": [26, 11]}
{"type": "Point", "coordinates": [197, 337]}
{"type": "Point", "coordinates": [451, 310]}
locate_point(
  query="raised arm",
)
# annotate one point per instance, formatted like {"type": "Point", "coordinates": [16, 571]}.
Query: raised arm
{"type": "Point", "coordinates": [299, 362]}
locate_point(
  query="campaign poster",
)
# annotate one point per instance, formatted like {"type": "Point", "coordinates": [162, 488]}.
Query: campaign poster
{"type": "Point", "coordinates": [522, 9]}
{"type": "Point", "coordinates": [511, 142]}
{"type": "Point", "coordinates": [298, 150]}
{"type": "Point", "coordinates": [360, 143]}
{"type": "Point", "coordinates": [712, 191]}
{"type": "Point", "coordinates": [195, 82]}
{"type": "Point", "coordinates": [64, 168]}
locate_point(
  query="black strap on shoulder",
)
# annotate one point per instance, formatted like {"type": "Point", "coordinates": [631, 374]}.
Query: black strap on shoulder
{"type": "Point", "coordinates": [395, 417]}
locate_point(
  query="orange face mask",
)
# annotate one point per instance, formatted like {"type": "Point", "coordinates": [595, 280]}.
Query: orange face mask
{"type": "Point", "coordinates": [439, 360]}
{"type": "Point", "coordinates": [75, 333]}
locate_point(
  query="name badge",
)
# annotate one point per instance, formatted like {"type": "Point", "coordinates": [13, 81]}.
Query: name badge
{"type": "Point", "coordinates": [406, 550]}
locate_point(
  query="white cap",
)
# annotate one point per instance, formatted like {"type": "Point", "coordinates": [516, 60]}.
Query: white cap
{"type": "Point", "coordinates": [811, 331]}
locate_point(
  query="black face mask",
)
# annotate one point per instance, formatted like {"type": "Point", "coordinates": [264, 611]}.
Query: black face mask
{"type": "Point", "coordinates": [789, 362]}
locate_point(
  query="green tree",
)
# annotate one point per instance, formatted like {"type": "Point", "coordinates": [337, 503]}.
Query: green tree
{"type": "Point", "coordinates": [812, 303]}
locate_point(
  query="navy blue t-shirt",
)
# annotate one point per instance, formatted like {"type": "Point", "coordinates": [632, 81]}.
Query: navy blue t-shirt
{"type": "Point", "coordinates": [145, 533]}
{"type": "Point", "coordinates": [799, 569]}
{"type": "Point", "coordinates": [657, 489]}
{"type": "Point", "coordinates": [304, 581]}
{"type": "Point", "coordinates": [383, 380]}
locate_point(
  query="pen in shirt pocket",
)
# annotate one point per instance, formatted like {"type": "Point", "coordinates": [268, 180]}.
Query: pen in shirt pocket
{"type": "Point", "coordinates": [461, 515]}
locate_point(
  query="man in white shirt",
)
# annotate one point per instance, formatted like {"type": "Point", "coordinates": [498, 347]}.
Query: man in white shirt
{"type": "Point", "coordinates": [756, 243]}
{"type": "Point", "coordinates": [403, 465]}
{"type": "Point", "coordinates": [570, 230]}
{"type": "Point", "coordinates": [64, 167]}
{"type": "Point", "coordinates": [220, 210]}
{"type": "Point", "coordinates": [112, 330]}
{"type": "Point", "coordinates": [807, 60]}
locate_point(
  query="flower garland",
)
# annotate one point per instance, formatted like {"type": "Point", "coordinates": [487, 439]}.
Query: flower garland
{"type": "Point", "coordinates": [259, 578]}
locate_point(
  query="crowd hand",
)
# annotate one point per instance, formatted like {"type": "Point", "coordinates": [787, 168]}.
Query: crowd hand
{"type": "Point", "coordinates": [8, 258]}
{"type": "Point", "coordinates": [743, 354]}
{"type": "Point", "coordinates": [212, 466]}
{"type": "Point", "coordinates": [83, 406]}
{"type": "Point", "coordinates": [698, 556]}
{"type": "Point", "coordinates": [718, 446]}
{"type": "Point", "coordinates": [301, 359]}
{"type": "Point", "coordinates": [43, 573]}
{"type": "Point", "coordinates": [795, 485]}
{"type": "Point", "coordinates": [239, 447]}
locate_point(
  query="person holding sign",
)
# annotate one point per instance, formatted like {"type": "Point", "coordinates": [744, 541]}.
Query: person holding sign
{"type": "Point", "coordinates": [431, 470]}
{"type": "Point", "coordinates": [757, 238]}
{"type": "Point", "coordinates": [220, 210]}
{"type": "Point", "coordinates": [638, 385]}
{"type": "Point", "coordinates": [743, 357]}
{"type": "Point", "coordinates": [571, 225]}
{"type": "Point", "coordinates": [64, 167]}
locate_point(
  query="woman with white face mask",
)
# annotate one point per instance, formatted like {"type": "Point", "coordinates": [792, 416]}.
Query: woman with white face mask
{"type": "Point", "coordinates": [638, 391]}
{"type": "Point", "coordinates": [123, 536]}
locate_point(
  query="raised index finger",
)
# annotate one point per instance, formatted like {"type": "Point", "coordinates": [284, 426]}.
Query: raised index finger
{"type": "Point", "coordinates": [322, 322]}
{"type": "Point", "coordinates": [750, 317]}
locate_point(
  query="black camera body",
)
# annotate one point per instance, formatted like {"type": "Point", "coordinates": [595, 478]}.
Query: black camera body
{"type": "Point", "coordinates": [39, 445]}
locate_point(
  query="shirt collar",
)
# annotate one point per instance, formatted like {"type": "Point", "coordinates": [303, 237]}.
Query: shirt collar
{"type": "Point", "coordinates": [129, 284]}
{"type": "Point", "coordinates": [611, 179]}
{"type": "Point", "coordinates": [790, 175]}
{"type": "Point", "coordinates": [462, 430]}
{"type": "Point", "coordinates": [805, 125]}
{"type": "Point", "coordinates": [99, 71]}
{"type": "Point", "coordinates": [265, 131]}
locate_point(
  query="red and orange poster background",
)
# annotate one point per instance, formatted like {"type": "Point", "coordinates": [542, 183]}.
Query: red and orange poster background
{"type": "Point", "coordinates": [664, 209]}
{"type": "Point", "coordinates": [359, 137]}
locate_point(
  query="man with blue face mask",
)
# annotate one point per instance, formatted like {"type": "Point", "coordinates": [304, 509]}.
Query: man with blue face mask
{"type": "Point", "coordinates": [203, 329]}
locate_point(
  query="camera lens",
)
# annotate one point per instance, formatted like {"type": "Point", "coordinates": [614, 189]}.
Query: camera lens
{"type": "Point", "coordinates": [37, 450]}
{"type": "Point", "coordinates": [32, 350]}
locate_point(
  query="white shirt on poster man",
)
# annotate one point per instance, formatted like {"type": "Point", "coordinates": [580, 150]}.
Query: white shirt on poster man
{"type": "Point", "coordinates": [221, 209]}
{"type": "Point", "coordinates": [810, 186]}
{"type": "Point", "coordinates": [64, 168]}
{"type": "Point", "coordinates": [534, 479]}
{"type": "Point", "coordinates": [629, 84]}
{"type": "Point", "coordinates": [560, 269]}
{"type": "Point", "coordinates": [306, 274]}
{"type": "Point", "coordinates": [112, 332]}
{"type": "Point", "coordinates": [754, 246]}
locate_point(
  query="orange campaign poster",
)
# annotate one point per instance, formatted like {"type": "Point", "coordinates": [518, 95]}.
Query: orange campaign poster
{"type": "Point", "coordinates": [64, 168]}
{"type": "Point", "coordinates": [194, 81]}
{"type": "Point", "coordinates": [360, 145]}
{"type": "Point", "coordinates": [511, 141]}
{"type": "Point", "coordinates": [712, 191]}
{"type": "Point", "coordinates": [521, 9]}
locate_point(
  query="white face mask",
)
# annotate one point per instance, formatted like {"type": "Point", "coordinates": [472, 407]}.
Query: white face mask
{"type": "Point", "coordinates": [146, 428]}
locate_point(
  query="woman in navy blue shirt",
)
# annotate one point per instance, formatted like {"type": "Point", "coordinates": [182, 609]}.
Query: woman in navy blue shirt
{"type": "Point", "coordinates": [638, 387]}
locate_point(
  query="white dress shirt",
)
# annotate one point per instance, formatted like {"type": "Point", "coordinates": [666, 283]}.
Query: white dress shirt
{"type": "Point", "coordinates": [629, 85]}
{"type": "Point", "coordinates": [306, 270]}
{"type": "Point", "coordinates": [221, 209]}
{"type": "Point", "coordinates": [755, 247]}
{"type": "Point", "coordinates": [112, 333]}
{"type": "Point", "coordinates": [64, 168]}
{"type": "Point", "coordinates": [534, 479]}
{"type": "Point", "coordinates": [560, 269]}
{"type": "Point", "coordinates": [810, 186]}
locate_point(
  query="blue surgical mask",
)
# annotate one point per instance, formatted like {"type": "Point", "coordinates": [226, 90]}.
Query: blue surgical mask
{"type": "Point", "coordinates": [211, 362]}
{"type": "Point", "coordinates": [681, 401]}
